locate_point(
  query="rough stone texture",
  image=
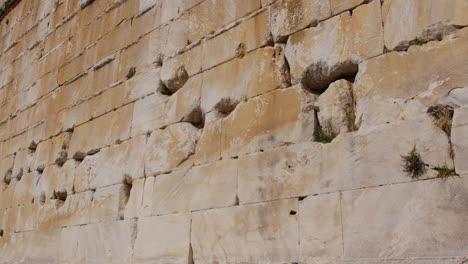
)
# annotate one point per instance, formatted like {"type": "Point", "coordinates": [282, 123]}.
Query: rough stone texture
{"type": "Point", "coordinates": [460, 140]}
{"type": "Point", "coordinates": [407, 21]}
{"type": "Point", "coordinates": [234, 131]}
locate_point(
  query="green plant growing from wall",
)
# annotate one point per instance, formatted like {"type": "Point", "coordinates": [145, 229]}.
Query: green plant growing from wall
{"type": "Point", "coordinates": [413, 164]}
{"type": "Point", "coordinates": [445, 172]}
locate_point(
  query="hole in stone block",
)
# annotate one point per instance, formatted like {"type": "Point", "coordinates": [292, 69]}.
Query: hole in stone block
{"type": "Point", "coordinates": [131, 73]}
{"type": "Point", "coordinates": [292, 212]}
{"type": "Point", "coordinates": [317, 77]}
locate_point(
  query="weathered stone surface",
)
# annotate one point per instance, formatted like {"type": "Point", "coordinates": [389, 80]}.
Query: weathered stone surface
{"type": "Point", "coordinates": [23, 160]}
{"type": "Point", "coordinates": [289, 16]}
{"type": "Point", "coordinates": [209, 145]}
{"type": "Point", "coordinates": [6, 169]}
{"type": "Point", "coordinates": [236, 42]}
{"type": "Point", "coordinates": [336, 108]}
{"type": "Point", "coordinates": [396, 221]}
{"type": "Point", "coordinates": [456, 97]}
{"type": "Point", "coordinates": [460, 140]}
{"type": "Point", "coordinates": [154, 244]}
{"type": "Point", "coordinates": [168, 148]}
{"type": "Point", "coordinates": [406, 22]}
{"type": "Point", "coordinates": [244, 133]}
{"type": "Point", "coordinates": [57, 179]}
{"type": "Point", "coordinates": [184, 105]}
{"type": "Point", "coordinates": [120, 122]}
{"type": "Point", "coordinates": [264, 239]}
{"type": "Point", "coordinates": [148, 114]}
{"type": "Point", "coordinates": [332, 50]}
{"type": "Point", "coordinates": [423, 69]}
{"type": "Point", "coordinates": [97, 243]}
{"type": "Point", "coordinates": [320, 229]}
{"type": "Point", "coordinates": [53, 151]}
{"type": "Point", "coordinates": [257, 73]}
{"type": "Point", "coordinates": [338, 6]}
{"type": "Point", "coordinates": [185, 191]}
{"type": "Point", "coordinates": [112, 165]}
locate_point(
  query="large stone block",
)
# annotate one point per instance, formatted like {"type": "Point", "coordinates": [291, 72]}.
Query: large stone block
{"type": "Point", "coordinates": [163, 239]}
{"type": "Point", "coordinates": [105, 130]}
{"type": "Point", "coordinates": [332, 50]}
{"type": "Point", "coordinates": [320, 228]}
{"type": "Point", "coordinates": [112, 165]}
{"type": "Point", "coordinates": [184, 105]}
{"type": "Point", "coordinates": [408, 21]}
{"type": "Point", "coordinates": [149, 114]}
{"type": "Point", "coordinates": [460, 140]}
{"type": "Point", "coordinates": [6, 169]}
{"type": "Point", "coordinates": [237, 41]}
{"type": "Point", "coordinates": [166, 149]}
{"type": "Point", "coordinates": [281, 116]}
{"type": "Point", "coordinates": [399, 221]}
{"type": "Point", "coordinates": [110, 242]}
{"type": "Point", "coordinates": [52, 151]}
{"type": "Point", "coordinates": [268, 232]}
{"type": "Point", "coordinates": [185, 191]}
{"type": "Point", "coordinates": [290, 16]}
{"type": "Point", "coordinates": [239, 79]}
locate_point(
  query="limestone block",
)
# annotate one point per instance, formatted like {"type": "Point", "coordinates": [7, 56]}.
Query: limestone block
{"type": "Point", "coordinates": [176, 71]}
{"type": "Point", "coordinates": [23, 161]}
{"type": "Point", "coordinates": [135, 200]}
{"type": "Point", "coordinates": [209, 145]}
{"type": "Point", "coordinates": [143, 83]}
{"type": "Point", "coordinates": [6, 200]}
{"type": "Point", "coordinates": [422, 72]}
{"type": "Point", "coordinates": [397, 221]}
{"type": "Point", "coordinates": [284, 172]}
{"type": "Point", "coordinates": [24, 191]}
{"type": "Point", "coordinates": [338, 6]}
{"type": "Point", "coordinates": [6, 168]}
{"type": "Point", "coordinates": [184, 105]}
{"type": "Point", "coordinates": [336, 107]}
{"type": "Point", "coordinates": [290, 16]}
{"type": "Point", "coordinates": [236, 42]}
{"type": "Point", "coordinates": [216, 234]}
{"type": "Point", "coordinates": [97, 243]}
{"type": "Point", "coordinates": [318, 56]}
{"type": "Point", "coordinates": [405, 22]}
{"type": "Point", "coordinates": [112, 165]}
{"type": "Point", "coordinates": [105, 130]}
{"type": "Point", "coordinates": [108, 203]}
{"type": "Point", "coordinates": [256, 73]}
{"type": "Point", "coordinates": [281, 116]}
{"type": "Point", "coordinates": [149, 114]}
{"type": "Point", "coordinates": [460, 139]}
{"type": "Point", "coordinates": [205, 18]}
{"type": "Point", "coordinates": [320, 228]}
{"type": "Point", "coordinates": [180, 192]}
{"type": "Point", "coordinates": [163, 239]}
{"type": "Point", "coordinates": [168, 148]}
{"type": "Point", "coordinates": [456, 97]}
{"type": "Point", "coordinates": [52, 151]}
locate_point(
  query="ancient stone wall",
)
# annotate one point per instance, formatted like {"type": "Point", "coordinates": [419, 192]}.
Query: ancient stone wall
{"type": "Point", "coordinates": [234, 131]}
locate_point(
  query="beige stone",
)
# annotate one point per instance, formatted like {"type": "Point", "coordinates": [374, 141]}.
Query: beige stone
{"type": "Point", "coordinates": [209, 145]}
{"type": "Point", "coordinates": [243, 132]}
{"type": "Point", "coordinates": [459, 139]}
{"type": "Point", "coordinates": [53, 151]}
{"type": "Point", "coordinates": [338, 6]}
{"type": "Point", "coordinates": [176, 71]}
{"type": "Point", "coordinates": [320, 228]}
{"type": "Point", "coordinates": [149, 114]}
{"type": "Point", "coordinates": [108, 203]}
{"type": "Point", "coordinates": [163, 239]}
{"type": "Point", "coordinates": [168, 148]}
{"type": "Point", "coordinates": [112, 165]}
{"type": "Point", "coordinates": [257, 73]}
{"type": "Point", "coordinates": [57, 179]}
{"type": "Point", "coordinates": [397, 221]}
{"type": "Point", "coordinates": [105, 130]}
{"type": "Point", "coordinates": [405, 22]}
{"type": "Point", "coordinates": [336, 108]}
{"type": "Point", "coordinates": [332, 50]}
{"type": "Point", "coordinates": [97, 243]}
{"type": "Point", "coordinates": [24, 190]}
{"type": "Point", "coordinates": [180, 192]}
{"type": "Point", "coordinates": [237, 41]}
{"type": "Point", "coordinates": [135, 200]}
{"type": "Point", "coordinates": [265, 239]}
{"type": "Point", "coordinates": [6, 168]}
{"type": "Point", "coordinates": [290, 16]}
{"type": "Point", "coordinates": [23, 161]}
{"type": "Point", "coordinates": [422, 72]}
{"type": "Point", "coordinates": [184, 105]}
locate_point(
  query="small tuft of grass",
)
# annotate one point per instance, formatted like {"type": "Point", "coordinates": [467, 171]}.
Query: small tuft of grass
{"type": "Point", "coordinates": [445, 172]}
{"type": "Point", "coordinates": [420, 42]}
{"type": "Point", "coordinates": [442, 116]}
{"type": "Point", "coordinates": [321, 136]}
{"type": "Point", "coordinates": [413, 164]}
